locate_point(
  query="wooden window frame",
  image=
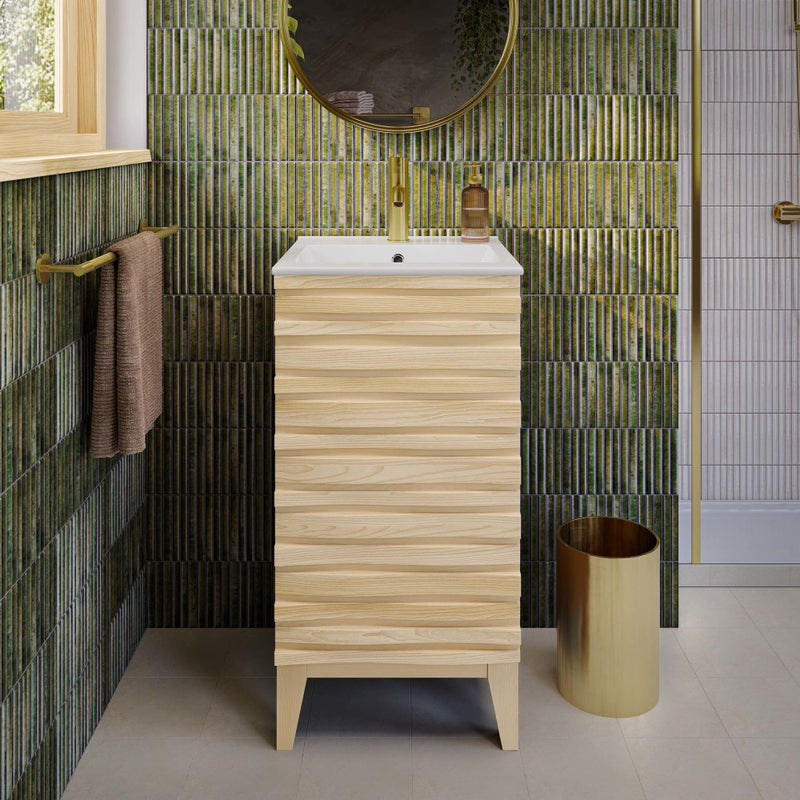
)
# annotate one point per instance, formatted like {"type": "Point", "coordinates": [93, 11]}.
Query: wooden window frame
{"type": "Point", "coordinates": [73, 137]}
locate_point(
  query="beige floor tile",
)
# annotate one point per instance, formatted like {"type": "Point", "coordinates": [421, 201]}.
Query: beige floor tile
{"type": "Point", "coordinates": [538, 651]}
{"type": "Point", "coordinates": [360, 707]}
{"type": "Point", "coordinates": [452, 707]}
{"type": "Point", "coordinates": [774, 765]}
{"type": "Point", "coordinates": [730, 652]}
{"type": "Point", "coordinates": [673, 659]}
{"type": "Point", "coordinates": [756, 707]}
{"type": "Point", "coordinates": [167, 652]}
{"type": "Point", "coordinates": [251, 651]}
{"type": "Point", "coordinates": [683, 710]}
{"type": "Point", "coordinates": [243, 769]}
{"type": "Point", "coordinates": [245, 707]}
{"type": "Point", "coordinates": [600, 769]}
{"type": "Point", "coordinates": [544, 713]}
{"type": "Point", "coordinates": [466, 769]}
{"type": "Point", "coordinates": [131, 769]}
{"type": "Point", "coordinates": [163, 707]}
{"type": "Point", "coordinates": [786, 643]}
{"type": "Point", "coordinates": [356, 769]}
{"type": "Point", "coordinates": [691, 769]}
{"type": "Point", "coordinates": [711, 607]}
{"type": "Point", "coordinates": [771, 607]}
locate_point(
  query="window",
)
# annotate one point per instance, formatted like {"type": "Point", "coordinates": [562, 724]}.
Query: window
{"type": "Point", "coordinates": [28, 55]}
{"type": "Point", "coordinates": [52, 88]}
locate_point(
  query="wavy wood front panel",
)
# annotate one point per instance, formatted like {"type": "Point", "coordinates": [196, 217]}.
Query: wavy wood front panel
{"type": "Point", "coordinates": [397, 470]}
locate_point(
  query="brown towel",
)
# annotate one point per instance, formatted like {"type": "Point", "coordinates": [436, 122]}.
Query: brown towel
{"type": "Point", "coordinates": [128, 392]}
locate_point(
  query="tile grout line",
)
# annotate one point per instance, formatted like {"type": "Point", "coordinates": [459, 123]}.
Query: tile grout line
{"type": "Point", "coordinates": [792, 675]}
{"type": "Point", "coordinates": [738, 753]}
{"type": "Point", "coordinates": [716, 711]}
{"type": "Point", "coordinates": [633, 761]}
{"type": "Point", "coordinates": [199, 739]}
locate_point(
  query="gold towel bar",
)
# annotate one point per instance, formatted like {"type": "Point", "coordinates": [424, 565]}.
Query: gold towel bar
{"type": "Point", "coordinates": [45, 265]}
{"type": "Point", "coordinates": [418, 114]}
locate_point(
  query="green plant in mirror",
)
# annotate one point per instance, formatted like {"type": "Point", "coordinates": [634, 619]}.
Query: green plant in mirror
{"type": "Point", "coordinates": [291, 24]}
{"type": "Point", "coordinates": [480, 28]}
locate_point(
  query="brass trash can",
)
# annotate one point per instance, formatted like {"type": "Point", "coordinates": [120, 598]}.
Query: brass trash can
{"type": "Point", "coordinates": [608, 615]}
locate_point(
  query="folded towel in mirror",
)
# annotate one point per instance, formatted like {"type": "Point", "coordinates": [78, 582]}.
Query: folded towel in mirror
{"type": "Point", "coordinates": [349, 94]}
{"type": "Point", "coordinates": [352, 101]}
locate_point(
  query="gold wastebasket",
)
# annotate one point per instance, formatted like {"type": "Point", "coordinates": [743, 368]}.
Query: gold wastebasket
{"type": "Point", "coordinates": [608, 616]}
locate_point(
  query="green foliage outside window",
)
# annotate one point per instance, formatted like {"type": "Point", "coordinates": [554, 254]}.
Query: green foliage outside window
{"type": "Point", "coordinates": [27, 55]}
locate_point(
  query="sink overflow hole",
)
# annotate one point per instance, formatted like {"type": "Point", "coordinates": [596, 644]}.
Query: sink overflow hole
{"type": "Point", "coordinates": [397, 258]}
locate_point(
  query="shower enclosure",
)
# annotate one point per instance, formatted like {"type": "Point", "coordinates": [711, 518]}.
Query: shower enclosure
{"type": "Point", "coordinates": [750, 278]}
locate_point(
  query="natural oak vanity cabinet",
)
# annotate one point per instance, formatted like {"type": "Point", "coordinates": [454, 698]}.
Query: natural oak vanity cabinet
{"type": "Point", "coordinates": [397, 481]}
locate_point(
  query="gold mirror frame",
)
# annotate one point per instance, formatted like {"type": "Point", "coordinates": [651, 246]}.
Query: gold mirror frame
{"type": "Point", "coordinates": [513, 27]}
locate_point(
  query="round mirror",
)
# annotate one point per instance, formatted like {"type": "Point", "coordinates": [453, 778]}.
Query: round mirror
{"type": "Point", "coordinates": [398, 66]}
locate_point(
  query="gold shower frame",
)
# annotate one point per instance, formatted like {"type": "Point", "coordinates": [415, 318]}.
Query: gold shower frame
{"type": "Point", "coordinates": [697, 289]}
{"type": "Point", "coordinates": [513, 27]}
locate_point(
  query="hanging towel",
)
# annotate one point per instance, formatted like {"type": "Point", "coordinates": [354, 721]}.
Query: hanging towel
{"type": "Point", "coordinates": [128, 393]}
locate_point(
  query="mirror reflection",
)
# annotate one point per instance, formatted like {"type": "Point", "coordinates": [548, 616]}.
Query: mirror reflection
{"type": "Point", "coordinates": [398, 63]}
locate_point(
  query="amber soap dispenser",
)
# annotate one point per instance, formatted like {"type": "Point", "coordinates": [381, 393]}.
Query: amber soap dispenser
{"type": "Point", "coordinates": [475, 208]}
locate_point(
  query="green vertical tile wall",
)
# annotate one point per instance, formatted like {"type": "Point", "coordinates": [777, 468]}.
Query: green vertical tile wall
{"type": "Point", "coordinates": [72, 529]}
{"type": "Point", "coordinates": [579, 147]}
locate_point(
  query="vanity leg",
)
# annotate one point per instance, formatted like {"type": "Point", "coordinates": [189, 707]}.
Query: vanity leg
{"type": "Point", "coordinates": [291, 687]}
{"type": "Point", "coordinates": [504, 685]}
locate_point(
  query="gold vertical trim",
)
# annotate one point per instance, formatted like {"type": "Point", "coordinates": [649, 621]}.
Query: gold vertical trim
{"type": "Point", "coordinates": [796, 27]}
{"type": "Point", "coordinates": [697, 289]}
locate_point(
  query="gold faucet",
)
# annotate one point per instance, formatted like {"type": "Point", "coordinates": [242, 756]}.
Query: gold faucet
{"type": "Point", "coordinates": [397, 199]}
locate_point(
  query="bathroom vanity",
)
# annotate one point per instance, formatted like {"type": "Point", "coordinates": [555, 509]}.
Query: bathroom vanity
{"type": "Point", "coordinates": [397, 466]}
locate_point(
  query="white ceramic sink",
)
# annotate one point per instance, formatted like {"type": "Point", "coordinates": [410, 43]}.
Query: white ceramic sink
{"type": "Point", "coordinates": [373, 255]}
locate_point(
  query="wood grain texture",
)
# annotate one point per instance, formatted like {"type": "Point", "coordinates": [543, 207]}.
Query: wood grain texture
{"type": "Point", "coordinates": [336, 585]}
{"type": "Point", "coordinates": [494, 415]}
{"type": "Point", "coordinates": [14, 169]}
{"type": "Point", "coordinates": [400, 638]}
{"type": "Point", "coordinates": [325, 526]}
{"type": "Point", "coordinates": [435, 502]}
{"type": "Point", "coordinates": [455, 614]}
{"type": "Point", "coordinates": [504, 686]}
{"type": "Point", "coordinates": [298, 556]}
{"type": "Point", "coordinates": [389, 443]}
{"type": "Point", "coordinates": [394, 670]}
{"type": "Point", "coordinates": [417, 655]}
{"type": "Point", "coordinates": [375, 386]}
{"type": "Point", "coordinates": [78, 127]}
{"type": "Point", "coordinates": [291, 686]}
{"type": "Point", "coordinates": [383, 328]}
{"type": "Point", "coordinates": [332, 471]}
{"type": "Point", "coordinates": [326, 306]}
{"type": "Point", "coordinates": [397, 472]}
{"type": "Point", "coordinates": [464, 358]}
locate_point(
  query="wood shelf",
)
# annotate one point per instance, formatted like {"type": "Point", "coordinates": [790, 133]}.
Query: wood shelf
{"type": "Point", "coordinates": [14, 169]}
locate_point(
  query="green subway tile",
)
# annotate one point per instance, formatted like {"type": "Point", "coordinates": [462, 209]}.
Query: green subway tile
{"type": "Point", "coordinates": [63, 514]}
{"type": "Point", "coordinates": [206, 461]}
{"type": "Point", "coordinates": [216, 594]}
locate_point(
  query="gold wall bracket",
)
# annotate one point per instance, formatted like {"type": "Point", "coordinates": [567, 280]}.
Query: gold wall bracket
{"type": "Point", "coordinates": [45, 265]}
{"type": "Point", "coordinates": [786, 212]}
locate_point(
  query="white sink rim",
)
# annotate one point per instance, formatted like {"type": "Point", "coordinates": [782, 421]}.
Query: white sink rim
{"type": "Point", "coordinates": [456, 257]}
